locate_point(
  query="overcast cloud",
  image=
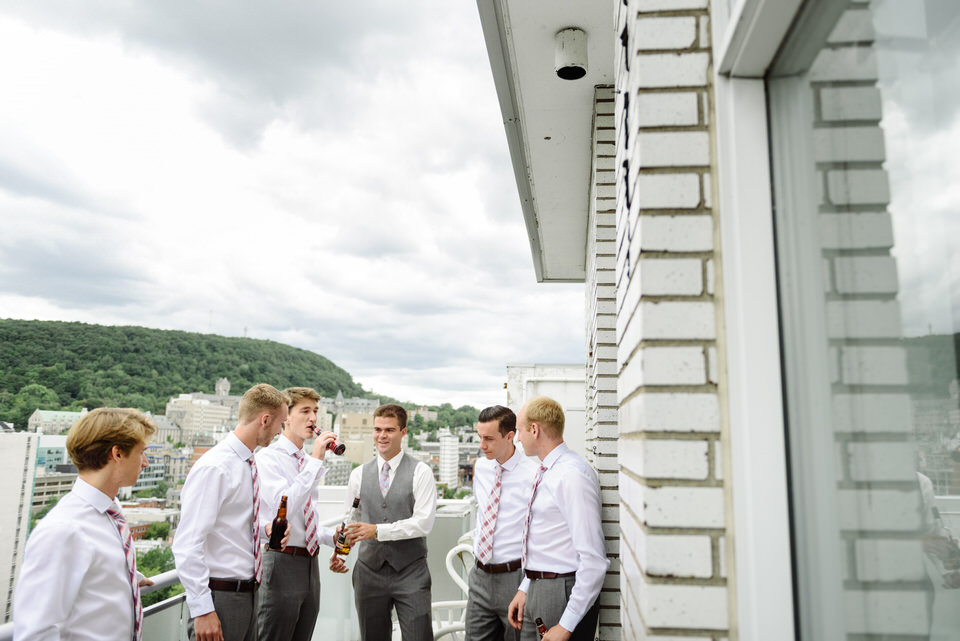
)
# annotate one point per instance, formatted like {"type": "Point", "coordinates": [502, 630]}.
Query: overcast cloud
{"type": "Point", "coordinates": [334, 177]}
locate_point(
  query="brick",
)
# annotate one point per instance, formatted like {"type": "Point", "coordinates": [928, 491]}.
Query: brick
{"type": "Point", "coordinates": [668, 191]}
{"type": "Point", "coordinates": [718, 461]}
{"type": "Point", "coordinates": [854, 25]}
{"type": "Point", "coordinates": [881, 461]}
{"type": "Point", "coordinates": [676, 277]}
{"type": "Point", "coordinates": [866, 275]}
{"type": "Point", "coordinates": [711, 277]}
{"type": "Point", "coordinates": [678, 109]}
{"type": "Point", "coordinates": [873, 366]}
{"type": "Point", "coordinates": [871, 413]}
{"type": "Point", "coordinates": [675, 233]}
{"type": "Point", "coordinates": [856, 231]}
{"type": "Point", "coordinates": [887, 612]}
{"type": "Point", "coordinates": [688, 507]}
{"type": "Point", "coordinates": [683, 606]}
{"type": "Point", "coordinates": [672, 149]}
{"type": "Point", "coordinates": [864, 319]}
{"type": "Point", "coordinates": [653, 34]}
{"type": "Point", "coordinates": [849, 144]}
{"type": "Point", "coordinates": [844, 64]}
{"type": "Point", "coordinates": [707, 188]}
{"type": "Point", "coordinates": [712, 365]}
{"type": "Point", "coordinates": [858, 187]}
{"type": "Point", "coordinates": [878, 510]}
{"type": "Point", "coordinates": [850, 103]}
{"type": "Point", "coordinates": [676, 320]}
{"type": "Point", "coordinates": [889, 560]}
{"type": "Point", "coordinates": [665, 459]}
{"type": "Point", "coordinates": [654, 71]}
{"type": "Point", "coordinates": [669, 5]}
{"type": "Point", "coordinates": [674, 555]}
{"type": "Point", "coordinates": [671, 413]}
{"type": "Point", "coordinates": [663, 366]}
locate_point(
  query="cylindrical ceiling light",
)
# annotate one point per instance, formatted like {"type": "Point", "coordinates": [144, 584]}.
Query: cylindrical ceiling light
{"type": "Point", "coordinates": [570, 58]}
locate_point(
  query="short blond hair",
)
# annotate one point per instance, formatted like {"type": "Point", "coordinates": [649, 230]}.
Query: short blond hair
{"type": "Point", "coordinates": [547, 413]}
{"type": "Point", "coordinates": [260, 398]}
{"type": "Point", "coordinates": [92, 438]}
{"type": "Point", "coordinates": [297, 394]}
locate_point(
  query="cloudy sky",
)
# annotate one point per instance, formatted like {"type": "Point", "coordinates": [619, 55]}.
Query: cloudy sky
{"type": "Point", "coordinates": [333, 176]}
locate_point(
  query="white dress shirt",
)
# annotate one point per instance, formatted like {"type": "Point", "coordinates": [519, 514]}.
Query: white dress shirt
{"type": "Point", "coordinates": [424, 501]}
{"type": "Point", "coordinates": [516, 482]}
{"type": "Point", "coordinates": [215, 535]}
{"type": "Point", "coordinates": [280, 476]}
{"type": "Point", "coordinates": [74, 582]}
{"type": "Point", "coordinates": [565, 533]}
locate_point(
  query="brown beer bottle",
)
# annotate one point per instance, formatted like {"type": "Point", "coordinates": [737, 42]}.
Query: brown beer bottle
{"type": "Point", "coordinates": [343, 545]}
{"type": "Point", "coordinates": [541, 628]}
{"type": "Point", "coordinates": [279, 525]}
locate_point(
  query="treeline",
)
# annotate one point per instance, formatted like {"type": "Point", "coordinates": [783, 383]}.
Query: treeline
{"type": "Point", "coordinates": [69, 366]}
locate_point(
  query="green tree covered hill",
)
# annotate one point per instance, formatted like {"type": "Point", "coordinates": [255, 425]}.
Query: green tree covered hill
{"type": "Point", "coordinates": [57, 365]}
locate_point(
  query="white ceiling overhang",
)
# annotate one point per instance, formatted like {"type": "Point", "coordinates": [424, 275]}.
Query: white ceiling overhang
{"type": "Point", "coordinates": [549, 121]}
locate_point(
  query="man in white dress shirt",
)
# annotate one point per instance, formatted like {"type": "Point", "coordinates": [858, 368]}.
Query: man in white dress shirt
{"type": "Point", "coordinates": [398, 503]}
{"type": "Point", "coordinates": [562, 543]}
{"type": "Point", "coordinates": [78, 579]}
{"type": "Point", "coordinates": [217, 546]}
{"type": "Point", "coordinates": [501, 486]}
{"type": "Point", "coordinates": [289, 597]}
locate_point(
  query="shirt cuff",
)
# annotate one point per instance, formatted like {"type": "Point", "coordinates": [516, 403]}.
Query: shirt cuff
{"type": "Point", "coordinates": [524, 585]}
{"type": "Point", "coordinates": [203, 604]}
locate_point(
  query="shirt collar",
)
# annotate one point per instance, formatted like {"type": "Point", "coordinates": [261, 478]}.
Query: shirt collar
{"type": "Point", "coordinates": [394, 462]}
{"type": "Point", "coordinates": [555, 454]}
{"type": "Point", "coordinates": [97, 499]}
{"type": "Point", "coordinates": [286, 445]}
{"type": "Point", "coordinates": [235, 444]}
{"type": "Point", "coordinates": [513, 461]}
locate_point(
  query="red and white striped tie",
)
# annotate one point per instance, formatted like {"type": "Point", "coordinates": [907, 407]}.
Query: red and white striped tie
{"type": "Point", "coordinates": [489, 522]}
{"type": "Point", "coordinates": [257, 564]}
{"type": "Point", "coordinates": [526, 523]}
{"type": "Point", "coordinates": [309, 516]}
{"type": "Point", "coordinates": [131, 555]}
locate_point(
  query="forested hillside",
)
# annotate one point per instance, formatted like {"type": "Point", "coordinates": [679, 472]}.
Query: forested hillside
{"type": "Point", "coordinates": [69, 366]}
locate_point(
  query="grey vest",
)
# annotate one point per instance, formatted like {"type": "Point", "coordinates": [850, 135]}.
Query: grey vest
{"type": "Point", "coordinates": [395, 506]}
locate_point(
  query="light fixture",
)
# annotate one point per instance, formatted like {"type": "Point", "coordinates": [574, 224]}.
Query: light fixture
{"type": "Point", "coordinates": [570, 58]}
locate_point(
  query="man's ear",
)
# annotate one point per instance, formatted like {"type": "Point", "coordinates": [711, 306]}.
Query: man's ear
{"type": "Point", "coordinates": [535, 429]}
{"type": "Point", "coordinates": [116, 454]}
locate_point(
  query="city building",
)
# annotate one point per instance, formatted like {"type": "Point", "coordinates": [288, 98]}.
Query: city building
{"type": "Point", "coordinates": [751, 370]}
{"type": "Point", "coordinates": [562, 382]}
{"type": "Point", "coordinates": [47, 486]}
{"type": "Point", "coordinates": [52, 452]}
{"type": "Point", "coordinates": [338, 471]}
{"type": "Point", "coordinates": [355, 405]}
{"type": "Point", "coordinates": [449, 459]}
{"type": "Point", "coordinates": [18, 459]}
{"type": "Point", "coordinates": [356, 433]}
{"type": "Point", "coordinates": [52, 421]}
{"type": "Point", "coordinates": [423, 412]}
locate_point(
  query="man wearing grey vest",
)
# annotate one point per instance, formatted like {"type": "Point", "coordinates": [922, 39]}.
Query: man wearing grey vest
{"type": "Point", "coordinates": [398, 503]}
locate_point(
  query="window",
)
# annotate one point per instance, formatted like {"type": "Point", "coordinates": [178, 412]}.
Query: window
{"type": "Point", "coordinates": [864, 107]}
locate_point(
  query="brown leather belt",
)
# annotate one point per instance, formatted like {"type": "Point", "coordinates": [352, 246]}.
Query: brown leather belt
{"type": "Point", "coordinates": [292, 549]}
{"type": "Point", "coordinates": [533, 574]}
{"type": "Point", "coordinates": [498, 568]}
{"type": "Point", "coordinates": [250, 585]}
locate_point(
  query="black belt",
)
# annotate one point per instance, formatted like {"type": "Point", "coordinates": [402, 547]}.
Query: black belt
{"type": "Point", "coordinates": [294, 550]}
{"type": "Point", "coordinates": [250, 585]}
{"type": "Point", "coordinates": [533, 574]}
{"type": "Point", "coordinates": [498, 568]}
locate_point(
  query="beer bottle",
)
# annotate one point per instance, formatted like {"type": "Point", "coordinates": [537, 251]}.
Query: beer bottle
{"type": "Point", "coordinates": [541, 628]}
{"type": "Point", "coordinates": [279, 525]}
{"type": "Point", "coordinates": [343, 545]}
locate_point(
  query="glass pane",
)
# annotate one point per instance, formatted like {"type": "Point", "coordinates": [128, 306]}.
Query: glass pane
{"type": "Point", "coordinates": [864, 110]}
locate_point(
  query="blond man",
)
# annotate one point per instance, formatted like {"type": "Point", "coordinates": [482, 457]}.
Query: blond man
{"type": "Point", "coordinates": [79, 578]}
{"type": "Point", "coordinates": [218, 545]}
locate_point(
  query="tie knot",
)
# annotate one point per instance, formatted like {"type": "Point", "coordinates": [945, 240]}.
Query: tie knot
{"type": "Point", "coordinates": [299, 455]}
{"type": "Point", "coordinates": [116, 515]}
{"type": "Point", "coordinates": [386, 466]}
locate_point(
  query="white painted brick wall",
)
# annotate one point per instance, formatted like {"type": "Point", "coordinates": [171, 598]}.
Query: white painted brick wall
{"type": "Point", "coordinates": [887, 613]}
{"type": "Point", "coordinates": [684, 507]}
{"type": "Point", "coordinates": [849, 144]}
{"type": "Point", "coordinates": [669, 5]}
{"type": "Point", "coordinates": [665, 33]}
{"type": "Point", "coordinates": [675, 233]}
{"type": "Point", "coordinates": [866, 275]}
{"type": "Point", "coordinates": [674, 556]}
{"type": "Point", "coordinates": [852, 27]}
{"type": "Point", "coordinates": [873, 365]}
{"type": "Point", "coordinates": [670, 276]}
{"type": "Point", "coordinates": [671, 413]}
{"type": "Point", "coordinates": [677, 109]}
{"type": "Point", "coordinates": [844, 65]}
{"type": "Point", "coordinates": [878, 510]}
{"type": "Point", "coordinates": [864, 319]}
{"type": "Point", "coordinates": [858, 187]}
{"type": "Point", "coordinates": [850, 103]}
{"type": "Point", "coordinates": [666, 459]}
{"type": "Point", "coordinates": [889, 560]}
{"type": "Point", "coordinates": [671, 70]}
{"type": "Point", "coordinates": [696, 606]}
{"type": "Point", "coordinates": [676, 320]}
{"type": "Point", "coordinates": [880, 461]}
{"type": "Point", "coordinates": [663, 366]}
{"type": "Point", "coordinates": [668, 191]}
{"type": "Point", "coordinates": [673, 149]}
{"type": "Point", "coordinates": [856, 231]}
{"type": "Point", "coordinates": [871, 413]}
